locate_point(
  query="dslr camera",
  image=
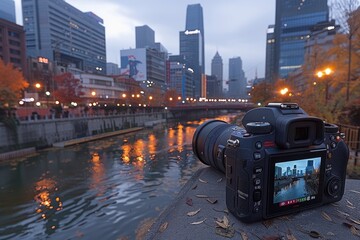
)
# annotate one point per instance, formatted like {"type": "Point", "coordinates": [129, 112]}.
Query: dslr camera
{"type": "Point", "coordinates": [282, 161]}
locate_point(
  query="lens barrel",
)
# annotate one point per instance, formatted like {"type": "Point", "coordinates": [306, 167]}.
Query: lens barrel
{"type": "Point", "coordinates": [209, 141]}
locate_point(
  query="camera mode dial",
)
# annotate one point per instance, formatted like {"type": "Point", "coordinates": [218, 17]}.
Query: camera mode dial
{"type": "Point", "coordinates": [258, 127]}
{"type": "Point", "coordinates": [334, 186]}
{"type": "Point", "coordinates": [331, 128]}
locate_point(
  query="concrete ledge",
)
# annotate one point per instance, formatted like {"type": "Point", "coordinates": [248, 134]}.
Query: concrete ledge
{"type": "Point", "coordinates": [340, 220]}
{"type": "Point", "coordinates": [95, 137]}
{"type": "Point", "coordinates": [17, 153]}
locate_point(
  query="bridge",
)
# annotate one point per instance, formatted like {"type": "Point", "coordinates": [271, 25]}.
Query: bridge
{"type": "Point", "coordinates": [208, 109]}
{"type": "Point", "coordinates": [244, 106]}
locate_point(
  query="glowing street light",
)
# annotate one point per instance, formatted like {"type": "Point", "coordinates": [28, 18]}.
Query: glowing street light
{"type": "Point", "coordinates": [93, 93]}
{"type": "Point", "coordinates": [320, 74]}
{"type": "Point", "coordinates": [284, 91]}
{"type": "Point", "coordinates": [38, 85]}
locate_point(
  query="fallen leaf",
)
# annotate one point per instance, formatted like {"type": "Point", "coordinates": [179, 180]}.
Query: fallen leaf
{"type": "Point", "coordinates": [349, 203]}
{"type": "Point", "coordinates": [331, 234]}
{"type": "Point", "coordinates": [354, 191]}
{"type": "Point", "coordinates": [343, 213]}
{"type": "Point", "coordinates": [326, 216]}
{"type": "Point", "coordinates": [290, 236]}
{"type": "Point", "coordinates": [353, 220]}
{"type": "Point", "coordinates": [190, 214]}
{"type": "Point", "coordinates": [201, 196]}
{"type": "Point", "coordinates": [223, 223]}
{"type": "Point", "coordinates": [203, 181]}
{"type": "Point", "coordinates": [225, 210]}
{"type": "Point", "coordinates": [194, 187]}
{"type": "Point", "coordinates": [244, 235]}
{"type": "Point", "coordinates": [354, 231]}
{"type": "Point", "coordinates": [189, 201]}
{"type": "Point", "coordinates": [228, 232]}
{"type": "Point", "coordinates": [163, 227]}
{"type": "Point", "coordinates": [219, 180]}
{"type": "Point", "coordinates": [314, 234]}
{"type": "Point", "coordinates": [199, 222]}
{"type": "Point", "coordinates": [212, 200]}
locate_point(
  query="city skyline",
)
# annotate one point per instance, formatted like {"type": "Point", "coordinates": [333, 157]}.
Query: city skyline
{"type": "Point", "coordinates": [226, 29]}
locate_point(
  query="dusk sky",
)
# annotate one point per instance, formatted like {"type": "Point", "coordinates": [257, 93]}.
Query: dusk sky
{"type": "Point", "coordinates": [234, 28]}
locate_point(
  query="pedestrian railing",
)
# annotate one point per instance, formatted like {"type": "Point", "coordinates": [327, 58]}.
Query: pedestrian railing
{"type": "Point", "coordinates": [352, 139]}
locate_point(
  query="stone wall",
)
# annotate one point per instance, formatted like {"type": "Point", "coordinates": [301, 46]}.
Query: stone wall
{"type": "Point", "coordinates": [43, 133]}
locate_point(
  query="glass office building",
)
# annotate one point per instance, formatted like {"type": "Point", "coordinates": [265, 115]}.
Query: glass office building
{"type": "Point", "coordinates": [59, 32]}
{"type": "Point", "coordinates": [293, 23]}
{"type": "Point", "coordinates": [192, 44]}
{"type": "Point", "coordinates": [7, 10]}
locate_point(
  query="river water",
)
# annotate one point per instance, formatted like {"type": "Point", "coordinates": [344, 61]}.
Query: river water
{"type": "Point", "coordinates": [107, 189]}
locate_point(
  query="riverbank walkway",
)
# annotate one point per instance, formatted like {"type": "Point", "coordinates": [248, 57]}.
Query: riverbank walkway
{"type": "Point", "coordinates": [199, 212]}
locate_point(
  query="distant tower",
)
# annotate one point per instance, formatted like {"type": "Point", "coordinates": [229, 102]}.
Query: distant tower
{"type": "Point", "coordinates": [217, 67]}
{"type": "Point", "coordinates": [237, 81]}
{"type": "Point", "coordinates": [192, 44]}
{"type": "Point", "coordinates": [7, 10]}
{"type": "Point", "coordinates": [145, 37]}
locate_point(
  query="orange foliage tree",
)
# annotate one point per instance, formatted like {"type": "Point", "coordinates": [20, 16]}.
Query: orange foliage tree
{"type": "Point", "coordinates": [68, 89]}
{"type": "Point", "coordinates": [12, 83]}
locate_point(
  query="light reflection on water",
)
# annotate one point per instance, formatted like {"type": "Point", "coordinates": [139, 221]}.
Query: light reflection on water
{"type": "Point", "coordinates": [100, 190]}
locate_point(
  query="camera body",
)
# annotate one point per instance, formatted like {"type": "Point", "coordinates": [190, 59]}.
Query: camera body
{"type": "Point", "coordinates": [283, 161]}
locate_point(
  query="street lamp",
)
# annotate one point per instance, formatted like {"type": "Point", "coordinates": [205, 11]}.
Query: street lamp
{"type": "Point", "coordinates": [325, 73]}
{"type": "Point", "coordinates": [284, 91]}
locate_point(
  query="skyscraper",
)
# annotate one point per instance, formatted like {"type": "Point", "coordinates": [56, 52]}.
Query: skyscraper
{"type": "Point", "coordinates": [145, 37]}
{"type": "Point", "coordinates": [61, 33]}
{"type": "Point", "coordinates": [270, 54]}
{"type": "Point", "coordinates": [293, 22]}
{"type": "Point", "coordinates": [217, 67]}
{"type": "Point", "coordinates": [192, 44]}
{"type": "Point", "coordinates": [237, 81]}
{"type": "Point", "coordinates": [7, 10]}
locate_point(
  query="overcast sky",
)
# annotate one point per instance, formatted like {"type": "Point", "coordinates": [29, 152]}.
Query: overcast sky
{"type": "Point", "coordinates": [234, 28]}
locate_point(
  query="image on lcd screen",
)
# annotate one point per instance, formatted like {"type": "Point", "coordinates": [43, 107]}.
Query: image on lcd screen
{"type": "Point", "coordinates": [296, 181]}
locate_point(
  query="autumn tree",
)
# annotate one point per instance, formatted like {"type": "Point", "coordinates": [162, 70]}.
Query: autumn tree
{"type": "Point", "coordinates": [68, 89]}
{"type": "Point", "coordinates": [348, 14]}
{"type": "Point", "coordinates": [261, 93]}
{"type": "Point", "coordinates": [170, 97]}
{"type": "Point", "coordinates": [12, 83]}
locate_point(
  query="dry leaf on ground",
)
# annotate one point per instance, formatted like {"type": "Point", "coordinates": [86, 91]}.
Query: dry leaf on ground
{"type": "Point", "coordinates": [326, 216]}
{"type": "Point", "coordinates": [203, 181]}
{"type": "Point", "coordinates": [190, 214]}
{"type": "Point", "coordinates": [163, 227]}
{"type": "Point", "coordinates": [199, 222]}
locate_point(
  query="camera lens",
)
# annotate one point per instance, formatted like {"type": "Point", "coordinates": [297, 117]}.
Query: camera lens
{"type": "Point", "coordinates": [209, 142]}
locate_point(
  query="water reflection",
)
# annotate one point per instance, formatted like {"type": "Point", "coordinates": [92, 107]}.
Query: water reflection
{"type": "Point", "coordinates": [103, 188]}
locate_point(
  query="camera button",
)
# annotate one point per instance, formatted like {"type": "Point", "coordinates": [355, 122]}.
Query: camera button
{"type": "Point", "coordinates": [333, 144]}
{"type": "Point", "coordinates": [258, 145]}
{"type": "Point", "coordinates": [332, 137]}
{"type": "Point", "coordinates": [257, 195]}
{"type": "Point", "coordinates": [258, 170]}
{"type": "Point", "coordinates": [257, 181]}
{"type": "Point", "coordinates": [257, 155]}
